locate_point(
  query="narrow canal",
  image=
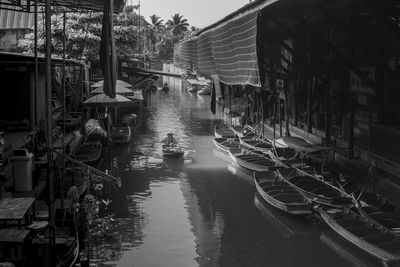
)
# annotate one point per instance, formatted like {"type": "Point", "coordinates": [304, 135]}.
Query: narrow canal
{"type": "Point", "coordinates": [201, 211]}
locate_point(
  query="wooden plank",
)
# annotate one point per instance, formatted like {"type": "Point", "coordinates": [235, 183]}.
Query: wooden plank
{"type": "Point", "coordinates": [15, 208]}
{"type": "Point", "coordinates": [13, 235]}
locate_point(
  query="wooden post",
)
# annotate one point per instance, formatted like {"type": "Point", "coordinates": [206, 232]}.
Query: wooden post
{"type": "Point", "coordinates": [285, 88]}
{"type": "Point", "coordinates": [329, 37]}
{"type": "Point", "coordinates": [310, 85]}
{"type": "Point", "coordinates": [48, 94]}
{"type": "Point", "coordinates": [351, 125]}
{"type": "Point", "coordinates": [309, 104]}
{"type": "Point", "coordinates": [64, 111]}
{"type": "Point", "coordinates": [328, 114]}
{"type": "Point", "coordinates": [36, 75]}
{"type": "Point", "coordinates": [280, 117]}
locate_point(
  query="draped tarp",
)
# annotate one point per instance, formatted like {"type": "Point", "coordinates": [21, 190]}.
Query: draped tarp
{"type": "Point", "coordinates": [108, 57]}
{"type": "Point", "coordinates": [235, 50]}
{"type": "Point", "coordinates": [228, 50]}
{"type": "Point", "coordinates": [185, 54]}
{"type": "Point", "coordinates": [205, 58]}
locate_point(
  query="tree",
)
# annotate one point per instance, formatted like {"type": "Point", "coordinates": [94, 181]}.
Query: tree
{"type": "Point", "coordinates": [156, 32]}
{"type": "Point", "coordinates": [178, 25]}
{"type": "Point", "coordinates": [83, 31]}
{"type": "Point", "coordinates": [156, 22]}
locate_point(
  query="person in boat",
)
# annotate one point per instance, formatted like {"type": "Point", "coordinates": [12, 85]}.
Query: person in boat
{"type": "Point", "coordinates": [165, 87]}
{"type": "Point", "coordinates": [170, 140]}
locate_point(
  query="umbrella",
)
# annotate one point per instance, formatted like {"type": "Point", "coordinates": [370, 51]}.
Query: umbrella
{"type": "Point", "coordinates": [119, 82]}
{"type": "Point", "coordinates": [108, 57]}
{"type": "Point", "coordinates": [119, 89]}
{"type": "Point", "coordinates": [104, 100]}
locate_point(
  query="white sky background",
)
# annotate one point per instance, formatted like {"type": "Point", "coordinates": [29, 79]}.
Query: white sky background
{"type": "Point", "coordinates": [199, 13]}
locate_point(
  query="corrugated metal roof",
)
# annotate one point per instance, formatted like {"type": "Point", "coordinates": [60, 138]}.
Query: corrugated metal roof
{"type": "Point", "coordinates": [95, 5]}
{"type": "Point", "coordinates": [15, 20]}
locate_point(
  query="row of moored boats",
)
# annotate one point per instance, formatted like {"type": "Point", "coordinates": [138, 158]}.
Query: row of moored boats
{"type": "Point", "coordinates": [287, 179]}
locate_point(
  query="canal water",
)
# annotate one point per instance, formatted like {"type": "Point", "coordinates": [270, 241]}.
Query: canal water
{"type": "Point", "coordinates": [202, 210]}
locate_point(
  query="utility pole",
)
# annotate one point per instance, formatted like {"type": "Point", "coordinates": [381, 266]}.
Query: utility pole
{"type": "Point", "coordinates": [140, 46]}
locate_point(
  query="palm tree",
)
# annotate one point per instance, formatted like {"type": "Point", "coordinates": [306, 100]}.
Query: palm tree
{"type": "Point", "coordinates": [178, 24]}
{"type": "Point", "coordinates": [156, 21]}
{"type": "Point", "coordinates": [156, 30]}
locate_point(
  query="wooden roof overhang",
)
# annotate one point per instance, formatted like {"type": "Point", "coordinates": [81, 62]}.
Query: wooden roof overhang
{"type": "Point", "coordinates": [28, 59]}
{"type": "Point", "coordinates": [290, 19]}
{"type": "Point", "coordinates": [71, 5]}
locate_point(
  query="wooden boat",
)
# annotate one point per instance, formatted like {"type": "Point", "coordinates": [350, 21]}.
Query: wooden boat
{"type": "Point", "coordinates": [205, 90]}
{"type": "Point", "coordinates": [387, 219]}
{"type": "Point", "coordinates": [251, 160]}
{"type": "Point", "coordinates": [221, 130]}
{"type": "Point", "coordinates": [315, 190]}
{"type": "Point", "coordinates": [257, 144]}
{"type": "Point", "coordinates": [243, 131]}
{"type": "Point", "coordinates": [347, 251]}
{"type": "Point", "coordinates": [225, 144]}
{"type": "Point", "coordinates": [287, 157]}
{"type": "Point", "coordinates": [368, 236]}
{"type": "Point", "coordinates": [280, 194]}
{"type": "Point", "coordinates": [121, 134]}
{"type": "Point", "coordinates": [193, 89]}
{"type": "Point", "coordinates": [88, 152]}
{"type": "Point", "coordinates": [170, 151]}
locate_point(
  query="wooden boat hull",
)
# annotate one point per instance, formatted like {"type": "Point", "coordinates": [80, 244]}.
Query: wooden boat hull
{"type": "Point", "coordinates": [88, 152]}
{"type": "Point", "coordinates": [173, 152]}
{"type": "Point", "coordinates": [225, 144]}
{"type": "Point", "coordinates": [222, 131]}
{"type": "Point", "coordinates": [281, 195]}
{"type": "Point", "coordinates": [256, 144]}
{"type": "Point", "coordinates": [252, 161]}
{"type": "Point", "coordinates": [315, 190]}
{"type": "Point", "coordinates": [365, 235]}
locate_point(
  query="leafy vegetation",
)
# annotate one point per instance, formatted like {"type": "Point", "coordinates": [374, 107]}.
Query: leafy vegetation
{"type": "Point", "coordinates": [83, 31]}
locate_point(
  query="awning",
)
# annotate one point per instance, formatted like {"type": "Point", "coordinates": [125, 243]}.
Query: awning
{"type": "Point", "coordinates": [14, 20]}
{"type": "Point", "coordinates": [229, 50]}
{"type": "Point", "coordinates": [95, 5]}
{"type": "Point", "coordinates": [235, 51]}
{"type": "Point", "coordinates": [102, 100]}
{"type": "Point", "coordinates": [186, 54]}
{"type": "Point", "coordinates": [205, 57]}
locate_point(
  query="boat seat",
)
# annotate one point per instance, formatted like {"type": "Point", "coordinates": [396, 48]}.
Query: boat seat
{"type": "Point", "coordinates": [362, 230]}
{"type": "Point", "coordinates": [391, 246]}
{"type": "Point", "coordinates": [349, 222]}
{"type": "Point", "coordinates": [379, 238]}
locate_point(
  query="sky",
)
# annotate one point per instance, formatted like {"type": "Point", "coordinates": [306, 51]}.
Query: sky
{"type": "Point", "coordinates": [199, 13]}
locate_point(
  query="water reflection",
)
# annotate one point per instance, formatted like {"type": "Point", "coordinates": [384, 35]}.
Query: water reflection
{"type": "Point", "coordinates": [199, 211]}
{"type": "Point", "coordinates": [287, 226]}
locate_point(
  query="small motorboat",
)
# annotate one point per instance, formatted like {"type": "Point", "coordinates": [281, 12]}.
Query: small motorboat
{"type": "Point", "coordinates": [170, 148]}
